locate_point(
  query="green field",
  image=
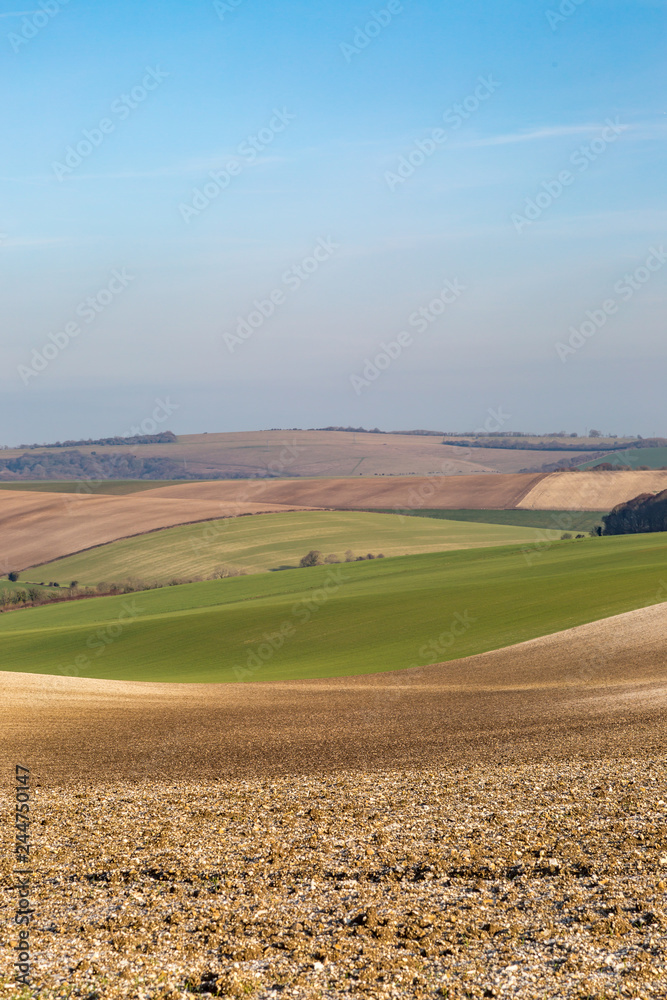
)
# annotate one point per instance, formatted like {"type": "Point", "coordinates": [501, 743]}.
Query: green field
{"type": "Point", "coordinates": [556, 520]}
{"type": "Point", "coordinates": [271, 541]}
{"type": "Point", "coordinates": [654, 458]}
{"type": "Point", "coordinates": [114, 487]}
{"type": "Point", "coordinates": [339, 620]}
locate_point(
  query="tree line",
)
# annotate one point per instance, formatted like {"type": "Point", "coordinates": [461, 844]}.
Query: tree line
{"type": "Point", "coordinates": [166, 437]}
{"type": "Point", "coordinates": [646, 512]}
{"type": "Point", "coordinates": [75, 464]}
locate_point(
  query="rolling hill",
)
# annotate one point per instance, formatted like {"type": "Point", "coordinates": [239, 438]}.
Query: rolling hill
{"type": "Point", "coordinates": [39, 527]}
{"type": "Point", "coordinates": [274, 541]}
{"type": "Point", "coordinates": [250, 454]}
{"type": "Point", "coordinates": [356, 618]}
{"type": "Point", "coordinates": [588, 691]}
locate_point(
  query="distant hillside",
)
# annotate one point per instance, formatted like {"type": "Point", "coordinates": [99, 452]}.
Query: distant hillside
{"type": "Point", "coordinates": [646, 512]}
{"type": "Point", "coordinates": [77, 465]}
{"type": "Point", "coordinates": [268, 455]}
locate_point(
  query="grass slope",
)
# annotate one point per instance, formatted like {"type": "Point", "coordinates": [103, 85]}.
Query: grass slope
{"type": "Point", "coordinates": [352, 619]}
{"type": "Point", "coordinates": [272, 541]}
{"type": "Point", "coordinates": [654, 458]}
{"type": "Point", "coordinates": [556, 520]}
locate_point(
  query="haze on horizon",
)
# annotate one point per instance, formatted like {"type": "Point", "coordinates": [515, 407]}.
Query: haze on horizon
{"type": "Point", "coordinates": [242, 206]}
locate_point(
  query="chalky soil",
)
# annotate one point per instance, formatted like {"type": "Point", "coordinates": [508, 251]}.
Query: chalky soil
{"type": "Point", "coordinates": [538, 881]}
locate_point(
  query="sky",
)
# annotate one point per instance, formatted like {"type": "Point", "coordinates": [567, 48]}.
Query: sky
{"type": "Point", "coordinates": [246, 214]}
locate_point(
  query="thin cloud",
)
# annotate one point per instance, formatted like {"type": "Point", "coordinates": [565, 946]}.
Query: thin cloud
{"type": "Point", "coordinates": [548, 132]}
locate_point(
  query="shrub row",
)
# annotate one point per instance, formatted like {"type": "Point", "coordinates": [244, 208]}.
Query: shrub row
{"type": "Point", "coordinates": [315, 558]}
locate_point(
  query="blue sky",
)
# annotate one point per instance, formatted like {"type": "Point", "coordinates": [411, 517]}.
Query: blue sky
{"type": "Point", "coordinates": [414, 143]}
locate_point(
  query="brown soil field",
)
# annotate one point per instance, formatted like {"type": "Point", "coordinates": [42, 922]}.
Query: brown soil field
{"type": "Point", "coordinates": [39, 527]}
{"type": "Point", "coordinates": [537, 882]}
{"type": "Point", "coordinates": [453, 492]}
{"type": "Point", "coordinates": [328, 453]}
{"type": "Point", "coordinates": [533, 491]}
{"type": "Point", "coordinates": [595, 689]}
{"type": "Point", "coordinates": [490, 827]}
{"type": "Point", "coordinates": [591, 490]}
